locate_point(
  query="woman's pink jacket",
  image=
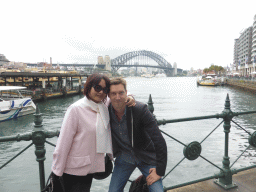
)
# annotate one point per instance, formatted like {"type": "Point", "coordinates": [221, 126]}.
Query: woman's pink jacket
{"type": "Point", "coordinates": [75, 152]}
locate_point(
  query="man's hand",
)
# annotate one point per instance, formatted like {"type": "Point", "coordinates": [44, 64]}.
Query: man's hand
{"type": "Point", "coordinates": [130, 102]}
{"type": "Point", "coordinates": [152, 177]}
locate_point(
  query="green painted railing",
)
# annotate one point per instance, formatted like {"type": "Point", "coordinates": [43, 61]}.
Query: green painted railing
{"type": "Point", "coordinates": [191, 151]}
{"type": "Point", "coordinates": [38, 137]}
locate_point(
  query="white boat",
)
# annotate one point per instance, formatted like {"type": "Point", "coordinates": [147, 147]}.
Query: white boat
{"type": "Point", "coordinates": [13, 104]}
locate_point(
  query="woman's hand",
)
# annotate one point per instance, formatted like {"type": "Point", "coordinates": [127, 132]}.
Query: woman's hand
{"type": "Point", "coordinates": [130, 102]}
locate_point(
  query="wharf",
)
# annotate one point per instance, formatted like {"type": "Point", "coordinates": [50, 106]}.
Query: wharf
{"type": "Point", "coordinates": [245, 180]}
{"type": "Point", "coordinates": [247, 85]}
{"type": "Point", "coordinates": [45, 85]}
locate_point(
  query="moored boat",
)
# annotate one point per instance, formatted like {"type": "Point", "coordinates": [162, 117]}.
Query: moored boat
{"type": "Point", "coordinates": [13, 104]}
{"type": "Point", "coordinates": [208, 81]}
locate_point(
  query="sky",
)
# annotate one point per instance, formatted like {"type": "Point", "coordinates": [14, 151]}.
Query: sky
{"type": "Point", "coordinates": [192, 33]}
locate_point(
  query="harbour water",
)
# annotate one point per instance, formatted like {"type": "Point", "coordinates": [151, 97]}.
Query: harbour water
{"type": "Point", "coordinates": [173, 98]}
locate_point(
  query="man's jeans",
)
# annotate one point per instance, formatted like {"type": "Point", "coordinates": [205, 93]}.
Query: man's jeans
{"type": "Point", "coordinates": [122, 172]}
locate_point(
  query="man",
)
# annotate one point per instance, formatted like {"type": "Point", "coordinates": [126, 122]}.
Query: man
{"type": "Point", "coordinates": [137, 141]}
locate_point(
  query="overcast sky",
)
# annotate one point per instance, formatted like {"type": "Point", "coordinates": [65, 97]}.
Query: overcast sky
{"type": "Point", "coordinates": [192, 33]}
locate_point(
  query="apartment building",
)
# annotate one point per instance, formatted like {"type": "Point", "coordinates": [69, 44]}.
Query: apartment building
{"type": "Point", "coordinates": [236, 60]}
{"type": "Point", "coordinates": [244, 48]}
{"type": "Point", "coordinates": [245, 51]}
{"type": "Point", "coordinates": [253, 58]}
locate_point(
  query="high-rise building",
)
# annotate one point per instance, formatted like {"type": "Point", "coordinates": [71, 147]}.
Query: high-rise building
{"type": "Point", "coordinates": [253, 56]}
{"type": "Point", "coordinates": [236, 60]}
{"type": "Point", "coordinates": [243, 46]}
{"type": "Point", "coordinates": [245, 51]}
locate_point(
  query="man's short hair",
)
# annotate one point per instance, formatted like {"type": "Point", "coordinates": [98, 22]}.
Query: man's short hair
{"type": "Point", "coordinates": [117, 81]}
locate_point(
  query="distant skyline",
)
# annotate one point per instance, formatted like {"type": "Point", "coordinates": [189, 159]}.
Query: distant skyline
{"type": "Point", "coordinates": [191, 33]}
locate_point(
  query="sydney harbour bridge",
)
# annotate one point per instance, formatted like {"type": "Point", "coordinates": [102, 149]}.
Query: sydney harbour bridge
{"type": "Point", "coordinates": [131, 59]}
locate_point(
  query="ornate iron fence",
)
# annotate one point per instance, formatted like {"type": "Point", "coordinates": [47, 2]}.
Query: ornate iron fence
{"type": "Point", "coordinates": [191, 151]}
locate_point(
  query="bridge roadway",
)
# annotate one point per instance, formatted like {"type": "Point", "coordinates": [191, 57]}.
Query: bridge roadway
{"type": "Point", "coordinates": [245, 180]}
{"type": "Point", "coordinates": [169, 71]}
{"type": "Point", "coordinates": [100, 65]}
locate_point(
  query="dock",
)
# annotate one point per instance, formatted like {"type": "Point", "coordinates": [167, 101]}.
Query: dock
{"type": "Point", "coordinates": [247, 85]}
{"type": "Point", "coordinates": [44, 86]}
{"type": "Point", "coordinates": [244, 180]}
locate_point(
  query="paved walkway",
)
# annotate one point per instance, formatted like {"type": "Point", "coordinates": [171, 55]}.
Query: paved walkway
{"type": "Point", "coordinates": [245, 180]}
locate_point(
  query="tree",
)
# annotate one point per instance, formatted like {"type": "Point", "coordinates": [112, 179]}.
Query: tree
{"type": "Point", "coordinates": [215, 68]}
{"type": "Point", "coordinates": [206, 70]}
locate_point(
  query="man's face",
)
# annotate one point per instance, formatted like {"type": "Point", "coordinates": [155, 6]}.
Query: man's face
{"type": "Point", "coordinates": [118, 96]}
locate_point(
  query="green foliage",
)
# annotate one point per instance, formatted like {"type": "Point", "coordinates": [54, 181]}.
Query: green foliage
{"type": "Point", "coordinates": [214, 68]}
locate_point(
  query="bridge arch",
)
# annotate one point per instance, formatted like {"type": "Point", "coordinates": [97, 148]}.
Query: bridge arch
{"type": "Point", "coordinates": [122, 59]}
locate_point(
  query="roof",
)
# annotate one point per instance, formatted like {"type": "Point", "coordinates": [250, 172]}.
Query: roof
{"type": "Point", "coordinates": [5, 88]}
{"type": "Point", "coordinates": [28, 74]}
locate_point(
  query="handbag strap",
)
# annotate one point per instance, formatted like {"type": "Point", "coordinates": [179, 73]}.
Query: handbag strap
{"type": "Point", "coordinates": [62, 183]}
{"type": "Point", "coordinates": [50, 179]}
{"type": "Point", "coordinates": [47, 183]}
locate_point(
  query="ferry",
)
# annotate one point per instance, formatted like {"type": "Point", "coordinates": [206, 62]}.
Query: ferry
{"type": "Point", "coordinates": [208, 81]}
{"type": "Point", "coordinates": [13, 104]}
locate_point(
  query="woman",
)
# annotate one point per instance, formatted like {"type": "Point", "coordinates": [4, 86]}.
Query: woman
{"type": "Point", "coordinates": [85, 137]}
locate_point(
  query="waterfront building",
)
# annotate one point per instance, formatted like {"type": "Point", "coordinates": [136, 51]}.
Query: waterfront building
{"type": "Point", "coordinates": [253, 58]}
{"type": "Point", "coordinates": [236, 60]}
{"type": "Point", "coordinates": [244, 59]}
{"type": "Point", "coordinates": [243, 47]}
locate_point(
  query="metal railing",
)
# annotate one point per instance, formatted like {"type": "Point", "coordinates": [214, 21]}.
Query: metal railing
{"type": "Point", "coordinates": [191, 151]}
{"type": "Point", "coordinates": [38, 137]}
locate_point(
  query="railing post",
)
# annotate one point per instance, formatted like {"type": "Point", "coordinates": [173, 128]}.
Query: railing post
{"type": "Point", "coordinates": [225, 180]}
{"type": "Point", "coordinates": [150, 104]}
{"type": "Point", "coordinates": [38, 138]}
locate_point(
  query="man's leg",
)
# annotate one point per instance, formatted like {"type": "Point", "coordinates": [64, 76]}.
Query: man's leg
{"type": "Point", "coordinates": [156, 186]}
{"type": "Point", "coordinates": [120, 175]}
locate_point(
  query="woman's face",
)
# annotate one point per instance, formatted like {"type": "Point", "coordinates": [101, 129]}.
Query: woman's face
{"type": "Point", "coordinates": [98, 96]}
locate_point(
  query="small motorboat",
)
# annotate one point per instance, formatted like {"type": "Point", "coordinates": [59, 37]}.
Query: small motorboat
{"type": "Point", "coordinates": [13, 104]}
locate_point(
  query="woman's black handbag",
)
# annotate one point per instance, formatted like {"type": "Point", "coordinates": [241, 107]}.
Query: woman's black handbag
{"type": "Point", "coordinates": [139, 185]}
{"type": "Point", "coordinates": [54, 184]}
{"type": "Point", "coordinates": [108, 170]}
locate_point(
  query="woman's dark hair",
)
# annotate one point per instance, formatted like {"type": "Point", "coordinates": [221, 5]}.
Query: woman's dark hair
{"type": "Point", "coordinates": [95, 79]}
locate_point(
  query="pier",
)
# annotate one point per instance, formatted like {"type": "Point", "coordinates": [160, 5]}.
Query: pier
{"type": "Point", "coordinates": [248, 84]}
{"type": "Point", "coordinates": [227, 179]}
{"type": "Point", "coordinates": [43, 86]}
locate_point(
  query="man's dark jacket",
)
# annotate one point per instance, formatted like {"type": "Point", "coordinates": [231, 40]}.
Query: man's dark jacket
{"type": "Point", "coordinates": [146, 135]}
